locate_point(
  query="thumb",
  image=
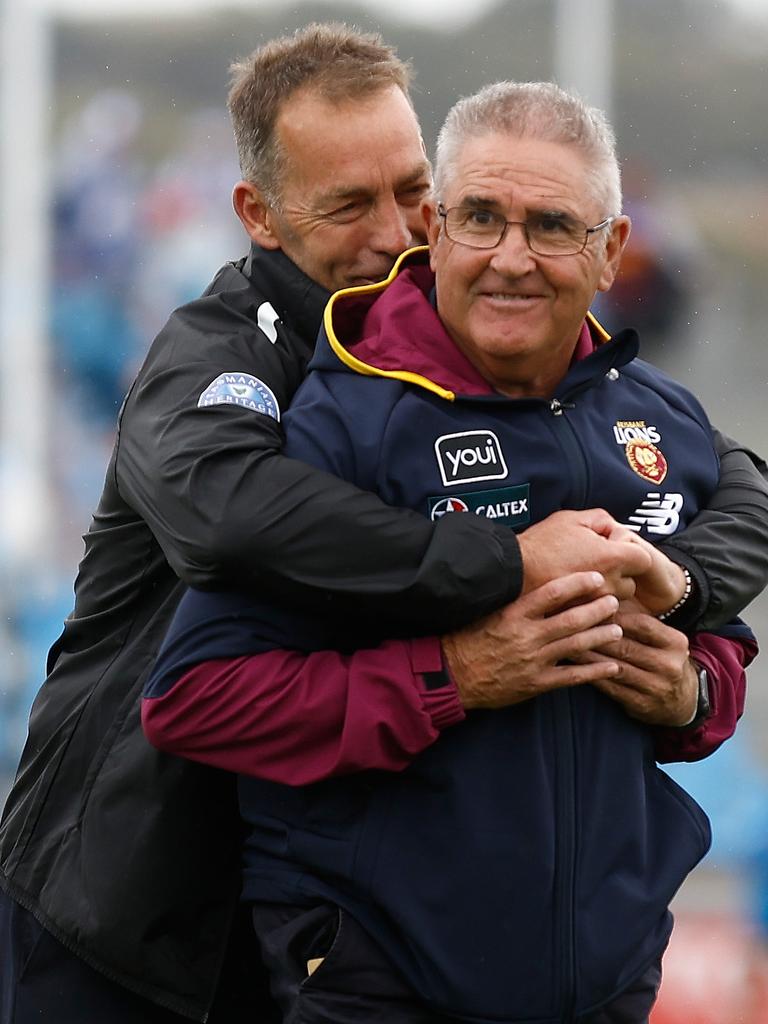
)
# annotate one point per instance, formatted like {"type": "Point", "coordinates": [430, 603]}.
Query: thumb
{"type": "Point", "coordinates": [599, 520]}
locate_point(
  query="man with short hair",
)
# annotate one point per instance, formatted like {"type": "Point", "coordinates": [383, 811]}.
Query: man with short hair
{"type": "Point", "coordinates": [120, 864]}
{"type": "Point", "coordinates": [477, 846]}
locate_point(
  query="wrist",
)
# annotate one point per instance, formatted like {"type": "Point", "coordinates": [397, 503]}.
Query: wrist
{"type": "Point", "coordinates": [529, 571]}
{"type": "Point", "coordinates": [703, 707]}
{"type": "Point", "coordinates": [459, 671]}
{"type": "Point", "coordinates": [683, 599]}
{"type": "Point", "coordinates": [692, 617]}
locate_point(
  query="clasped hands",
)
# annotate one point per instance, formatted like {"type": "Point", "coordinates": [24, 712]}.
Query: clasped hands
{"type": "Point", "coordinates": [592, 590]}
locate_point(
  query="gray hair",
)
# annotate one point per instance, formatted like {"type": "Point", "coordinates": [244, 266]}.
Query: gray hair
{"type": "Point", "coordinates": [534, 110]}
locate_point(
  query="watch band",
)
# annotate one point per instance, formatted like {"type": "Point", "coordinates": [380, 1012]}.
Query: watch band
{"type": "Point", "coordinates": [703, 705]}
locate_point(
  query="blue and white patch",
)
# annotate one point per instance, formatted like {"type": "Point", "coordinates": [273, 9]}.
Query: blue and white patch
{"type": "Point", "coordinates": [241, 389]}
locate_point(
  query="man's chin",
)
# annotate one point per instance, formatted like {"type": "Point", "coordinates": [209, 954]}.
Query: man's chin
{"type": "Point", "coordinates": [369, 275]}
{"type": "Point", "coordinates": [364, 279]}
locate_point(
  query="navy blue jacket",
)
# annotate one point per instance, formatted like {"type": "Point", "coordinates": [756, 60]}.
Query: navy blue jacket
{"type": "Point", "coordinates": [520, 869]}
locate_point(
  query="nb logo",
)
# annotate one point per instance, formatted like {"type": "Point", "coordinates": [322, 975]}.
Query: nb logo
{"type": "Point", "coordinates": [469, 456]}
{"type": "Point", "coordinates": [657, 514]}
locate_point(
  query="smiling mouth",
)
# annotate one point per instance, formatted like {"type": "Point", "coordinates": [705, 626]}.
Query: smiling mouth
{"type": "Point", "coordinates": [508, 299]}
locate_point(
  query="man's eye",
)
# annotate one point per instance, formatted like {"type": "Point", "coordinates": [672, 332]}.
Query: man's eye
{"type": "Point", "coordinates": [552, 225]}
{"type": "Point", "coordinates": [480, 218]}
{"type": "Point", "coordinates": [412, 196]}
{"type": "Point", "coordinates": [347, 212]}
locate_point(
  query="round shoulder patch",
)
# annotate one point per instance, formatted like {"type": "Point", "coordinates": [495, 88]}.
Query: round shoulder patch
{"type": "Point", "coordinates": [243, 389]}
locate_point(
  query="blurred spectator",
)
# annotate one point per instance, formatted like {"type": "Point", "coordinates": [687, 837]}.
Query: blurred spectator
{"type": "Point", "coordinates": [96, 246]}
{"type": "Point", "coordinates": [131, 241]}
{"type": "Point", "coordinates": [653, 289]}
{"type": "Point", "coordinates": [185, 219]}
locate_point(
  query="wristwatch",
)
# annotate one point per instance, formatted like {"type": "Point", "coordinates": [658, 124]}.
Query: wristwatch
{"type": "Point", "coordinates": [703, 706]}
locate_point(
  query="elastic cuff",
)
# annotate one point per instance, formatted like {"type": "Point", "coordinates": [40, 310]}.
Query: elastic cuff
{"type": "Point", "coordinates": [513, 558]}
{"type": "Point", "coordinates": [441, 702]}
{"type": "Point", "coordinates": [444, 706]}
{"type": "Point", "coordinates": [686, 618]}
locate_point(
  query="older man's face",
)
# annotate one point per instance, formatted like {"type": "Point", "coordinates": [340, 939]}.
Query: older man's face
{"type": "Point", "coordinates": [356, 174]}
{"type": "Point", "coordinates": [516, 315]}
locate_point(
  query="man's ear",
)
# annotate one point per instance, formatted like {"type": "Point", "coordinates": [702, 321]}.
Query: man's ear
{"type": "Point", "coordinates": [617, 241]}
{"type": "Point", "coordinates": [255, 214]}
{"type": "Point", "coordinates": [431, 226]}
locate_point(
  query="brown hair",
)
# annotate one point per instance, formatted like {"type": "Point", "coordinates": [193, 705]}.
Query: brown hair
{"type": "Point", "coordinates": [337, 62]}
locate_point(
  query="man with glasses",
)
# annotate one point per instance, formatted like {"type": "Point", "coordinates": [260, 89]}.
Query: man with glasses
{"type": "Point", "coordinates": [482, 845]}
{"type": "Point", "coordinates": [546, 233]}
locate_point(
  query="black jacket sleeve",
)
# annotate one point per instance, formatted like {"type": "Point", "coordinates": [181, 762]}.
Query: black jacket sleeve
{"type": "Point", "coordinates": [229, 510]}
{"type": "Point", "coordinates": [725, 548]}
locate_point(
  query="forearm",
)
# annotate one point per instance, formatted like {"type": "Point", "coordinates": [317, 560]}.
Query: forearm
{"type": "Point", "coordinates": [315, 541]}
{"type": "Point", "coordinates": [228, 509]}
{"type": "Point", "coordinates": [298, 718]}
{"type": "Point", "coordinates": [725, 661]}
{"type": "Point", "coordinates": [726, 546]}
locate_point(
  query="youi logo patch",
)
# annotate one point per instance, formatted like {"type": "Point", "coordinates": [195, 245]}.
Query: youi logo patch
{"type": "Point", "coordinates": [470, 456]}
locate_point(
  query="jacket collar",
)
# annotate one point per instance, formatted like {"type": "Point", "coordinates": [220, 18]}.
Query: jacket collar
{"type": "Point", "coordinates": [296, 298]}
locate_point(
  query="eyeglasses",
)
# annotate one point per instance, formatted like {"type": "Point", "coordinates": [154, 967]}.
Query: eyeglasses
{"type": "Point", "coordinates": [547, 234]}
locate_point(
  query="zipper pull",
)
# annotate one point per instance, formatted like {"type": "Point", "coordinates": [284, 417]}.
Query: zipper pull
{"type": "Point", "coordinates": [557, 408]}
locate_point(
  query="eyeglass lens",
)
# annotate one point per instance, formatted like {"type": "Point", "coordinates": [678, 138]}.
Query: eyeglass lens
{"type": "Point", "coordinates": [547, 234]}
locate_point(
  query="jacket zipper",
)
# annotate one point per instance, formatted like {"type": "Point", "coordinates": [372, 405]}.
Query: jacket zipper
{"type": "Point", "coordinates": [567, 842]}
{"type": "Point", "coordinates": [566, 848]}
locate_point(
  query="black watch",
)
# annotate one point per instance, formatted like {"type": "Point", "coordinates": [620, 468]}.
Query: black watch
{"type": "Point", "coordinates": [703, 706]}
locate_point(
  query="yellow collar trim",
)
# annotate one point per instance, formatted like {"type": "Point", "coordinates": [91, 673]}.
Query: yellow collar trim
{"type": "Point", "coordinates": [598, 329]}
{"type": "Point", "coordinates": [366, 368]}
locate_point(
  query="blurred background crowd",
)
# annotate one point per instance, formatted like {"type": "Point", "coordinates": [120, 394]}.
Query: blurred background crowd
{"type": "Point", "coordinates": [140, 164]}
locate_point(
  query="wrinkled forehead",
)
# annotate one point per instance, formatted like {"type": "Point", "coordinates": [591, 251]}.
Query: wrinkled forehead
{"type": "Point", "coordinates": [506, 169]}
{"type": "Point", "coordinates": [335, 150]}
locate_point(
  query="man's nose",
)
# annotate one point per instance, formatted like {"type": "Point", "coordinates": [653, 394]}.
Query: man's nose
{"type": "Point", "coordinates": [395, 228]}
{"type": "Point", "coordinates": [513, 255]}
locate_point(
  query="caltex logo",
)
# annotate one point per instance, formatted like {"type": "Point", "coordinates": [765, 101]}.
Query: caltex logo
{"type": "Point", "coordinates": [446, 505]}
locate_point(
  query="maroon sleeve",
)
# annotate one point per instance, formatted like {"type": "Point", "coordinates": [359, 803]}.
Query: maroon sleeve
{"type": "Point", "coordinates": [725, 660]}
{"type": "Point", "coordinates": [296, 718]}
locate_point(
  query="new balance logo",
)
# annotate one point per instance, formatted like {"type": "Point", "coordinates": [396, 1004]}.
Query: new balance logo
{"type": "Point", "coordinates": [657, 514]}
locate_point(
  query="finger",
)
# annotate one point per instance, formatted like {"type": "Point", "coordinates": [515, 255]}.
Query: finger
{"type": "Point", "coordinates": [654, 682]}
{"type": "Point", "coordinates": [636, 658]}
{"type": "Point", "coordinates": [620, 532]}
{"type": "Point", "coordinates": [583, 617]}
{"type": "Point", "coordinates": [571, 647]}
{"type": "Point", "coordinates": [633, 559]}
{"type": "Point", "coordinates": [593, 657]}
{"type": "Point", "coordinates": [627, 676]}
{"type": "Point", "coordinates": [572, 674]}
{"type": "Point", "coordinates": [663, 706]}
{"type": "Point", "coordinates": [599, 520]}
{"type": "Point", "coordinates": [624, 588]}
{"type": "Point", "coordinates": [550, 597]}
{"type": "Point", "coordinates": [646, 629]}
{"type": "Point", "coordinates": [634, 702]}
